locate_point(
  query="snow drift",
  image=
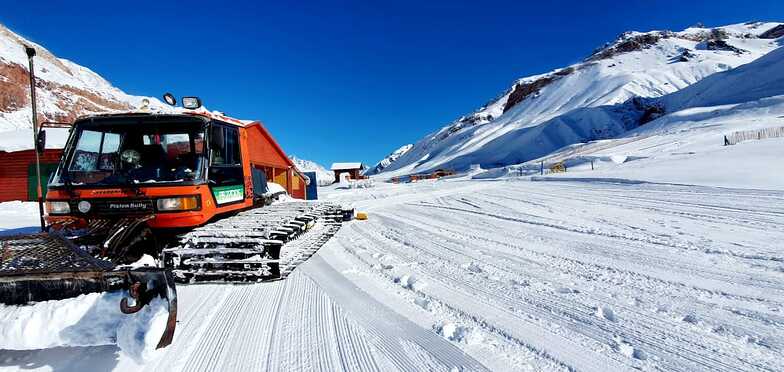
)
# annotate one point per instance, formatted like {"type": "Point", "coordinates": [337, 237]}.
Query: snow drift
{"type": "Point", "coordinates": [88, 320]}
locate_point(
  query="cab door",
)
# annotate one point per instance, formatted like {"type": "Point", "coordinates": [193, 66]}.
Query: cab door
{"type": "Point", "coordinates": [225, 174]}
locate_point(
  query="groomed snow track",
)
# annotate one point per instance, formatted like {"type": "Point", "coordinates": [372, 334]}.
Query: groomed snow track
{"type": "Point", "coordinates": [502, 276]}
{"type": "Point", "coordinates": [587, 276]}
{"type": "Point", "coordinates": [256, 245]}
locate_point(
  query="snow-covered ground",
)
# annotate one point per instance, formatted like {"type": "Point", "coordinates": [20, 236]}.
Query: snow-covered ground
{"type": "Point", "coordinates": [685, 147]}
{"type": "Point", "coordinates": [500, 275]}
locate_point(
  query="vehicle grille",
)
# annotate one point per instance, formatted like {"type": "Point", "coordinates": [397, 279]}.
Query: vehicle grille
{"type": "Point", "coordinates": [116, 207]}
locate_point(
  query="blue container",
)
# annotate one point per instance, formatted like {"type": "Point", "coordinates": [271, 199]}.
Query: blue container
{"type": "Point", "coordinates": [312, 189]}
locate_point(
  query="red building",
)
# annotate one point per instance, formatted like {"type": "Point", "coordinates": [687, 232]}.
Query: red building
{"type": "Point", "coordinates": [354, 170]}
{"type": "Point", "coordinates": [267, 155]}
{"type": "Point", "coordinates": [17, 173]}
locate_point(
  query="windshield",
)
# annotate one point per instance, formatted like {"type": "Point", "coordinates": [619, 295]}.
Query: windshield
{"type": "Point", "coordinates": [129, 154]}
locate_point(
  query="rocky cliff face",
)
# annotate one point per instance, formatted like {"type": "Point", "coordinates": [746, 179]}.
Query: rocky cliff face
{"type": "Point", "coordinates": [65, 90]}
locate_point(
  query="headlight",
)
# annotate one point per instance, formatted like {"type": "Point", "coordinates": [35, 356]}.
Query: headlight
{"type": "Point", "coordinates": [187, 203]}
{"type": "Point", "coordinates": [58, 207]}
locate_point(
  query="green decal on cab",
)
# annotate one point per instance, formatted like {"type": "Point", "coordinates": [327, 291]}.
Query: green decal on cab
{"type": "Point", "coordinates": [228, 194]}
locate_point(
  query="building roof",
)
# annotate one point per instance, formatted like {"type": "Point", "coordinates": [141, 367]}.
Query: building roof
{"type": "Point", "coordinates": [347, 166]}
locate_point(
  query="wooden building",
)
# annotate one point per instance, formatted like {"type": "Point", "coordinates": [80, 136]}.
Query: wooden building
{"type": "Point", "coordinates": [267, 155]}
{"type": "Point", "coordinates": [354, 170]}
{"type": "Point", "coordinates": [17, 173]}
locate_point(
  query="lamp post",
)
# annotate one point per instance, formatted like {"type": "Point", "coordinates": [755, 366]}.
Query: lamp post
{"type": "Point", "coordinates": [30, 54]}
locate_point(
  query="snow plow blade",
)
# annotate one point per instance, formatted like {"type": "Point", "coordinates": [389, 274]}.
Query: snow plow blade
{"type": "Point", "coordinates": [45, 267]}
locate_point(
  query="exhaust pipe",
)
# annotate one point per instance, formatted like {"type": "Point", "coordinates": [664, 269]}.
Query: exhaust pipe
{"type": "Point", "coordinates": [30, 54]}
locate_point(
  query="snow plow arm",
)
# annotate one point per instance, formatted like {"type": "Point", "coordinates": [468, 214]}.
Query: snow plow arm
{"type": "Point", "coordinates": [146, 284]}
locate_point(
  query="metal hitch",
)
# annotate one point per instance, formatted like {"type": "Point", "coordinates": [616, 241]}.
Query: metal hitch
{"type": "Point", "coordinates": [44, 267]}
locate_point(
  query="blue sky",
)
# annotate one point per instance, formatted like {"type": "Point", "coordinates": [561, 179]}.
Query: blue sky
{"type": "Point", "coordinates": [345, 81]}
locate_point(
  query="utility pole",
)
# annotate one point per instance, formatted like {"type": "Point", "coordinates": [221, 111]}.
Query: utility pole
{"type": "Point", "coordinates": [30, 54]}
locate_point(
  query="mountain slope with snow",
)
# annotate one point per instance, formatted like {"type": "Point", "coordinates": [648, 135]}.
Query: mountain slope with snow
{"type": "Point", "coordinates": [643, 65]}
{"type": "Point", "coordinates": [685, 143]}
{"type": "Point", "coordinates": [64, 90]}
{"type": "Point", "coordinates": [324, 176]}
{"type": "Point", "coordinates": [387, 161]}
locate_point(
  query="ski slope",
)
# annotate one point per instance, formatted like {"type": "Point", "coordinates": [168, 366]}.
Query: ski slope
{"type": "Point", "coordinates": [500, 275]}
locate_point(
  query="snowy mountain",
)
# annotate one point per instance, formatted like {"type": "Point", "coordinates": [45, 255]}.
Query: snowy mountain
{"type": "Point", "coordinates": [64, 90]}
{"type": "Point", "coordinates": [389, 159]}
{"type": "Point", "coordinates": [621, 74]}
{"type": "Point", "coordinates": [683, 142]}
{"type": "Point", "coordinates": [324, 176]}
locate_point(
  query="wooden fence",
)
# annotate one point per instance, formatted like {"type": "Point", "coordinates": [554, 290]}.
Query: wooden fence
{"type": "Point", "coordinates": [747, 135]}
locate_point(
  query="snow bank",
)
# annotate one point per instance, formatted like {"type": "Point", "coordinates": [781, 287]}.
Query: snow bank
{"type": "Point", "coordinates": [274, 188]}
{"type": "Point", "coordinates": [88, 320]}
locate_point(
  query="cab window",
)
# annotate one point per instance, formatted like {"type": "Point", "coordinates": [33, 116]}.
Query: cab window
{"type": "Point", "coordinates": [225, 158]}
{"type": "Point", "coordinates": [226, 146]}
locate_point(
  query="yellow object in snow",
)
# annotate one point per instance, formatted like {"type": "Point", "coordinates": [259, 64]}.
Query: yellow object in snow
{"type": "Point", "coordinates": [559, 167]}
{"type": "Point", "coordinates": [362, 216]}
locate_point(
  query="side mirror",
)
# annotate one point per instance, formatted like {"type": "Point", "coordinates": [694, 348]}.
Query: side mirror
{"type": "Point", "coordinates": [40, 141]}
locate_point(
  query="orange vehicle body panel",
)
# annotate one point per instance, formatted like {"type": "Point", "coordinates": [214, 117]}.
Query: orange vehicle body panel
{"type": "Point", "coordinates": [257, 148]}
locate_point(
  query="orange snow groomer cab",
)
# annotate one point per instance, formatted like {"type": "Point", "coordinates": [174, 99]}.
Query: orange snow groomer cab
{"type": "Point", "coordinates": [164, 171]}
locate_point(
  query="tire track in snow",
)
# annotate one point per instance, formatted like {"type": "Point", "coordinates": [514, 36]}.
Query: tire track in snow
{"type": "Point", "coordinates": [200, 306]}
{"type": "Point", "coordinates": [219, 332]}
{"type": "Point", "coordinates": [313, 332]}
{"type": "Point", "coordinates": [595, 232]}
{"type": "Point", "coordinates": [758, 329]}
{"type": "Point", "coordinates": [352, 341]}
{"type": "Point", "coordinates": [654, 205]}
{"type": "Point", "coordinates": [570, 201]}
{"type": "Point", "coordinates": [387, 329]}
{"type": "Point", "coordinates": [756, 258]}
{"type": "Point", "coordinates": [588, 316]}
{"type": "Point", "coordinates": [497, 318]}
{"type": "Point", "coordinates": [647, 254]}
{"type": "Point", "coordinates": [250, 333]}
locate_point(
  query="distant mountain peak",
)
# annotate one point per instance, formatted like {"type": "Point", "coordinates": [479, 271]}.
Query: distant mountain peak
{"type": "Point", "coordinates": [635, 64]}
{"type": "Point", "coordinates": [324, 176]}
